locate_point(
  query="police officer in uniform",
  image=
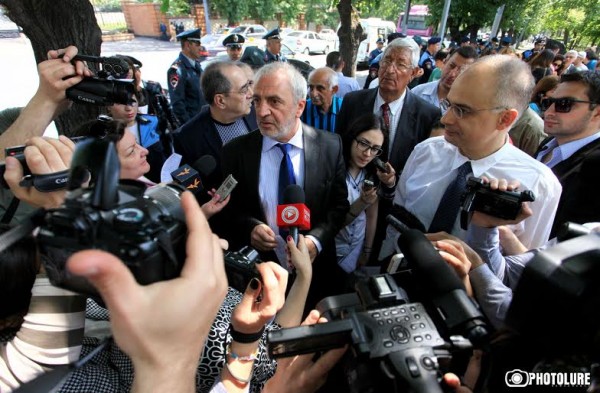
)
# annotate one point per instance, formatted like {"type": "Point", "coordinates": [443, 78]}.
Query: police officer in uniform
{"type": "Point", "coordinates": [273, 46]}
{"type": "Point", "coordinates": [234, 44]}
{"type": "Point", "coordinates": [184, 77]}
{"type": "Point", "coordinates": [427, 61]}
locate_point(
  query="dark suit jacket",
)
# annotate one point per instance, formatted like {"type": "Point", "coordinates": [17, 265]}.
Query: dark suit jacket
{"type": "Point", "coordinates": [324, 187]}
{"type": "Point", "coordinates": [199, 137]}
{"type": "Point", "coordinates": [416, 121]}
{"type": "Point", "coordinates": [578, 175]}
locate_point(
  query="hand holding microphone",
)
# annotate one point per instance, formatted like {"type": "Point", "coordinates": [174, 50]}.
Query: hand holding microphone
{"type": "Point", "coordinates": [293, 214]}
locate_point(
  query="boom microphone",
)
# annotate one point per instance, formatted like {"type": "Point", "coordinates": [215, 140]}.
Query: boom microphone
{"type": "Point", "coordinates": [190, 177]}
{"type": "Point", "coordinates": [442, 287]}
{"type": "Point", "coordinates": [293, 214]}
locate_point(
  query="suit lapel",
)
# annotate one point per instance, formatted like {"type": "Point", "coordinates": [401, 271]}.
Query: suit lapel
{"type": "Point", "coordinates": [312, 152]}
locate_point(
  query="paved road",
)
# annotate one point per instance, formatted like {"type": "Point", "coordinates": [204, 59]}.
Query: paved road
{"type": "Point", "coordinates": [18, 73]}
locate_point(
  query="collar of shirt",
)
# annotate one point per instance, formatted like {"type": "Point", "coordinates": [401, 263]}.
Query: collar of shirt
{"type": "Point", "coordinates": [395, 106]}
{"type": "Point", "coordinates": [296, 141]}
{"type": "Point", "coordinates": [191, 62]}
{"type": "Point", "coordinates": [481, 166]}
{"type": "Point", "coordinates": [570, 148]}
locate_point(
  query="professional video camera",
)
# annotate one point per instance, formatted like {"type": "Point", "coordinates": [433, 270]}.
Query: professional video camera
{"type": "Point", "coordinates": [105, 89]}
{"type": "Point", "coordinates": [144, 227]}
{"type": "Point", "coordinates": [397, 345]}
{"type": "Point", "coordinates": [480, 197]}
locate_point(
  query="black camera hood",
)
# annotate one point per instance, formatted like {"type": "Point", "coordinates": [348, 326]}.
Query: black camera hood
{"type": "Point", "coordinates": [98, 157]}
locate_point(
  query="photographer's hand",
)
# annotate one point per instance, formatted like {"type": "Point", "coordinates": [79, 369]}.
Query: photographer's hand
{"type": "Point", "coordinates": [300, 374]}
{"type": "Point", "coordinates": [260, 303]}
{"type": "Point", "coordinates": [162, 326]}
{"type": "Point", "coordinates": [56, 76]}
{"type": "Point", "coordinates": [43, 156]}
{"type": "Point", "coordinates": [291, 313]}
{"type": "Point", "coordinates": [454, 254]}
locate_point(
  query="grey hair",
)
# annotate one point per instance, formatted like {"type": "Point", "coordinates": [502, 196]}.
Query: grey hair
{"type": "Point", "coordinates": [514, 81]}
{"type": "Point", "coordinates": [405, 43]}
{"type": "Point", "coordinates": [332, 76]}
{"type": "Point", "coordinates": [297, 81]}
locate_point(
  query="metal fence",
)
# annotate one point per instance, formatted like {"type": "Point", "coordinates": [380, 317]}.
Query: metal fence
{"type": "Point", "coordinates": [109, 21]}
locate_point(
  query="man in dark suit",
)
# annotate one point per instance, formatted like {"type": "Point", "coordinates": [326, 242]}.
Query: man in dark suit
{"type": "Point", "coordinates": [572, 151]}
{"type": "Point", "coordinates": [228, 90]}
{"type": "Point", "coordinates": [408, 119]}
{"type": "Point", "coordinates": [257, 159]}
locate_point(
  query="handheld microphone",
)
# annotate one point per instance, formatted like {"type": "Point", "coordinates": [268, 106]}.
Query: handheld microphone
{"type": "Point", "coordinates": [293, 214]}
{"type": "Point", "coordinates": [443, 288]}
{"type": "Point", "coordinates": [190, 176]}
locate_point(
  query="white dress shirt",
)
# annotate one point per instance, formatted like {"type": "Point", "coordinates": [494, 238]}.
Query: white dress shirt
{"type": "Point", "coordinates": [433, 165]}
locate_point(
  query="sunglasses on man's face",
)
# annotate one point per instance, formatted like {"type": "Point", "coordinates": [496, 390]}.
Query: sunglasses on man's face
{"type": "Point", "coordinates": [561, 105]}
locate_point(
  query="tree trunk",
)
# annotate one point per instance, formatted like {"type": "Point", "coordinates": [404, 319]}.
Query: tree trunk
{"type": "Point", "coordinates": [349, 33]}
{"type": "Point", "coordinates": [51, 24]}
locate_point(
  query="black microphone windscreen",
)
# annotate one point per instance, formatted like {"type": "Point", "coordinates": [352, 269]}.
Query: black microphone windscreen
{"type": "Point", "coordinates": [205, 165]}
{"type": "Point", "coordinates": [435, 276]}
{"type": "Point", "coordinates": [293, 194]}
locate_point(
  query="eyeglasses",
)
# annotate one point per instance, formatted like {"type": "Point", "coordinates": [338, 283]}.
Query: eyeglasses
{"type": "Point", "coordinates": [561, 105]}
{"type": "Point", "coordinates": [244, 89]}
{"type": "Point", "coordinates": [461, 111]}
{"type": "Point", "coordinates": [364, 146]}
{"type": "Point", "coordinates": [398, 66]}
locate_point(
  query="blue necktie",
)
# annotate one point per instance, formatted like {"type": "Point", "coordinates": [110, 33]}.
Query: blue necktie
{"type": "Point", "coordinates": [286, 170]}
{"type": "Point", "coordinates": [286, 178]}
{"type": "Point", "coordinates": [447, 210]}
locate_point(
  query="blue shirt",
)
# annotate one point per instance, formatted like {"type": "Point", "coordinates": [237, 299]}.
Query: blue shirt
{"type": "Point", "coordinates": [324, 121]}
{"type": "Point", "coordinates": [563, 152]}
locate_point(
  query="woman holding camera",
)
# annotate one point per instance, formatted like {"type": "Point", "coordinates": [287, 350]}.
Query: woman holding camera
{"type": "Point", "coordinates": [363, 143]}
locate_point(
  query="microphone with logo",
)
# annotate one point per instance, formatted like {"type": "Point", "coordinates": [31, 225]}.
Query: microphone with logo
{"type": "Point", "coordinates": [190, 176]}
{"type": "Point", "coordinates": [293, 213]}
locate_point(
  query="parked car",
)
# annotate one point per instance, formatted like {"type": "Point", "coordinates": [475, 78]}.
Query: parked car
{"type": "Point", "coordinates": [225, 30]}
{"type": "Point", "coordinates": [252, 33]}
{"type": "Point", "coordinates": [330, 36]}
{"type": "Point", "coordinates": [306, 42]}
{"type": "Point", "coordinates": [213, 43]}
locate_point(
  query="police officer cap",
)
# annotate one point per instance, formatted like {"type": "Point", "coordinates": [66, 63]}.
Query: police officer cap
{"type": "Point", "coordinates": [434, 40]}
{"type": "Point", "coordinates": [379, 41]}
{"type": "Point", "coordinates": [506, 40]}
{"type": "Point", "coordinates": [495, 39]}
{"type": "Point", "coordinates": [392, 36]}
{"type": "Point", "coordinates": [465, 39]}
{"type": "Point", "coordinates": [418, 39]}
{"type": "Point", "coordinates": [190, 35]}
{"type": "Point", "coordinates": [235, 40]}
{"type": "Point", "coordinates": [272, 35]}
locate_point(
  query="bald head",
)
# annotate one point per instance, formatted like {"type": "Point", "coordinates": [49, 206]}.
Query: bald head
{"type": "Point", "coordinates": [508, 78]}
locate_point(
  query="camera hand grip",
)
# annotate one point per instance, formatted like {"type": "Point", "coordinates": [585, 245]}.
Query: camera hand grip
{"type": "Point", "coordinates": [418, 368]}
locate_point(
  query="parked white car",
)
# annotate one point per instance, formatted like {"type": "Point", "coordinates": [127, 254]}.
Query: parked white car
{"type": "Point", "coordinates": [253, 33]}
{"type": "Point", "coordinates": [306, 42]}
{"type": "Point", "coordinates": [331, 37]}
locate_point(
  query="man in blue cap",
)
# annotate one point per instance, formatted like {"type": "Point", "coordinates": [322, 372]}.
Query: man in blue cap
{"type": "Point", "coordinates": [377, 51]}
{"type": "Point", "coordinates": [273, 52]}
{"type": "Point", "coordinates": [184, 77]}
{"type": "Point", "coordinates": [234, 44]}
{"type": "Point", "coordinates": [427, 61]}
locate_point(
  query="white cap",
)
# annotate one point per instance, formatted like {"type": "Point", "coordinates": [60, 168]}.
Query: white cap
{"type": "Point", "coordinates": [581, 54]}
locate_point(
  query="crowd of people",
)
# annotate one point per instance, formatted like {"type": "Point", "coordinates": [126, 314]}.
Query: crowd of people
{"type": "Point", "coordinates": [406, 146]}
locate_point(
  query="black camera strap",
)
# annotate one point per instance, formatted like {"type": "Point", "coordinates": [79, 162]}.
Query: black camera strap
{"type": "Point", "coordinates": [47, 183]}
{"type": "Point", "coordinates": [10, 211]}
{"type": "Point", "coordinates": [20, 231]}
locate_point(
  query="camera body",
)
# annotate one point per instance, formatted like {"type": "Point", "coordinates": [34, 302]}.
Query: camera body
{"type": "Point", "coordinates": [144, 227]}
{"type": "Point", "coordinates": [104, 89]}
{"type": "Point", "coordinates": [394, 343]}
{"type": "Point", "coordinates": [502, 204]}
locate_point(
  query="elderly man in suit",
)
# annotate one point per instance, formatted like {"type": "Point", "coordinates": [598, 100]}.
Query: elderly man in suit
{"type": "Point", "coordinates": [229, 114]}
{"type": "Point", "coordinates": [285, 149]}
{"type": "Point", "coordinates": [408, 119]}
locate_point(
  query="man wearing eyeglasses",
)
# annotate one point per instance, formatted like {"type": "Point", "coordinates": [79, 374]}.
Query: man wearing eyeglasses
{"type": "Point", "coordinates": [184, 77]}
{"type": "Point", "coordinates": [572, 150]}
{"type": "Point", "coordinates": [228, 115]}
{"type": "Point", "coordinates": [475, 143]}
